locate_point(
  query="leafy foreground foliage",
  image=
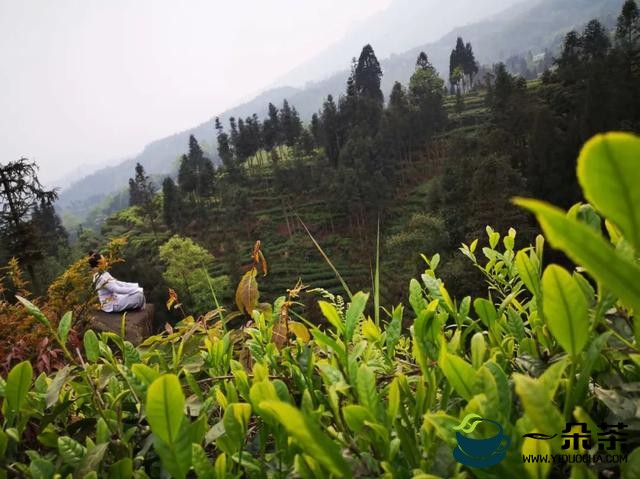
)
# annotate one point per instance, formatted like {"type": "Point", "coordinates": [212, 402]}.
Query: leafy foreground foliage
{"type": "Point", "coordinates": [363, 397]}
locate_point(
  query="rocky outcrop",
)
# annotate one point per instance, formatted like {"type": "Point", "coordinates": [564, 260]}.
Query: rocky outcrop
{"type": "Point", "coordinates": [138, 323]}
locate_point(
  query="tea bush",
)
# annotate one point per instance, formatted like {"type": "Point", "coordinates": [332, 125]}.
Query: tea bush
{"type": "Point", "coordinates": [365, 396]}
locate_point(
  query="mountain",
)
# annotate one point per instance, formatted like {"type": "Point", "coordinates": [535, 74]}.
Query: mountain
{"type": "Point", "coordinates": [158, 158]}
{"type": "Point", "coordinates": [401, 26]}
{"type": "Point", "coordinates": [523, 27]}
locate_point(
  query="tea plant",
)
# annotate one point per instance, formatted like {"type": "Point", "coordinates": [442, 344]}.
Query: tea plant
{"type": "Point", "coordinates": [364, 396]}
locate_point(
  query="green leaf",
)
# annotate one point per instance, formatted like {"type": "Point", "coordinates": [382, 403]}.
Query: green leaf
{"type": "Point", "coordinates": [529, 272]}
{"type": "Point", "coordinates": [176, 457]}
{"type": "Point", "coordinates": [427, 336]}
{"type": "Point", "coordinates": [91, 346]}
{"type": "Point", "coordinates": [64, 326]}
{"type": "Point", "coordinates": [221, 466]}
{"type": "Point", "coordinates": [416, 298]}
{"type": "Point", "coordinates": [144, 373]}
{"type": "Point", "coordinates": [355, 416]}
{"type": "Point", "coordinates": [236, 421]}
{"type": "Point", "coordinates": [486, 311]}
{"type": "Point", "coordinates": [537, 401]}
{"type": "Point", "coordinates": [123, 469]}
{"type": "Point", "coordinates": [631, 469]}
{"type": "Point", "coordinates": [165, 407]}
{"type": "Point", "coordinates": [330, 312]}
{"type": "Point", "coordinates": [587, 248]}
{"type": "Point", "coordinates": [609, 173]}
{"type": "Point", "coordinates": [53, 391]}
{"type": "Point", "coordinates": [18, 383]}
{"type": "Point", "coordinates": [535, 447]}
{"type": "Point", "coordinates": [4, 440]}
{"type": "Point", "coordinates": [393, 401]}
{"type": "Point", "coordinates": [92, 460]}
{"type": "Point", "coordinates": [459, 373]}
{"type": "Point", "coordinates": [309, 436]}
{"type": "Point", "coordinates": [34, 311]}
{"type": "Point", "coordinates": [41, 468]}
{"type": "Point", "coordinates": [356, 308]}
{"type": "Point", "coordinates": [201, 464]}
{"type": "Point", "coordinates": [565, 309]}
{"type": "Point", "coordinates": [366, 388]}
{"type": "Point", "coordinates": [72, 451]}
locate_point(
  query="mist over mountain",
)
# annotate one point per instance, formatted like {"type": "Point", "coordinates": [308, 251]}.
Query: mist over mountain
{"type": "Point", "coordinates": [400, 27]}
{"type": "Point", "coordinates": [522, 27]}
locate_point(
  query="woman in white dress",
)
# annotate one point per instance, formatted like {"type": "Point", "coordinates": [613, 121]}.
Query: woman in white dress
{"type": "Point", "coordinates": [115, 296]}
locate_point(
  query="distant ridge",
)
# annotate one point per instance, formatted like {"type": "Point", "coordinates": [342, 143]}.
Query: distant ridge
{"type": "Point", "coordinates": [517, 30]}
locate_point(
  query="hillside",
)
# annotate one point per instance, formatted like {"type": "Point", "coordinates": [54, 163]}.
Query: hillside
{"type": "Point", "coordinates": [517, 30]}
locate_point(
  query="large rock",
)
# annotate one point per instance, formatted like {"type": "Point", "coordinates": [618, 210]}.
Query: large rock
{"type": "Point", "coordinates": [138, 323]}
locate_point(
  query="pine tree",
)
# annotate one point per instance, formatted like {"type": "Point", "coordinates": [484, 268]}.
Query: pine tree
{"type": "Point", "coordinates": [628, 33]}
{"type": "Point", "coordinates": [368, 76]}
{"type": "Point", "coordinates": [20, 194]}
{"type": "Point", "coordinates": [290, 124]}
{"type": "Point", "coordinates": [271, 128]}
{"type": "Point", "coordinates": [141, 188]}
{"type": "Point", "coordinates": [171, 210]}
{"type": "Point", "coordinates": [330, 130]}
{"type": "Point", "coordinates": [595, 41]}
{"type": "Point", "coordinates": [470, 66]}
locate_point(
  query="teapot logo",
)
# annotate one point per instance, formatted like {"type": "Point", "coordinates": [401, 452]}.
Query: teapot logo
{"type": "Point", "coordinates": [484, 452]}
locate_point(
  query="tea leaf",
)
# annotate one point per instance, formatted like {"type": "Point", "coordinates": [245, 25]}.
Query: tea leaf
{"type": "Point", "coordinates": [356, 308]}
{"type": "Point", "coordinates": [201, 464]}
{"type": "Point", "coordinates": [565, 309]}
{"type": "Point", "coordinates": [144, 373]}
{"type": "Point", "coordinates": [534, 447]}
{"type": "Point", "coordinates": [122, 469]}
{"type": "Point", "coordinates": [330, 312]}
{"type": "Point", "coordinates": [18, 383]}
{"type": "Point", "coordinates": [64, 326]}
{"type": "Point", "coordinates": [72, 451]}
{"type": "Point", "coordinates": [309, 436]}
{"type": "Point", "coordinates": [609, 175]}
{"type": "Point", "coordinates": [34, 311]}
{"type": "Point", "coordinates": [91, 346]}
{"type": "Point", "coordinates": [366, 387]}
{"type": "Point", "coordinates": [93, 458]}
{"type": "Point", "coordinates": [247, 293]}
{"type": "Point", "coordinates": [459, 373]}
{"type": "Point", "coordinates": [589, 249]}
{"type": "Point", "coordinates": [355, 416]}
{"type": "Point", "coordinates": [165, 407]}
{"type": "Point", "coordinates": [53, 391]}
{"type": "Point", "coordinates": [236, 421]}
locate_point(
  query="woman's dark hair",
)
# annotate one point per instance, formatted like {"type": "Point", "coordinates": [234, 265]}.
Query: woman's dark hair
{"type": "Point", "coordinates": [94, 259]}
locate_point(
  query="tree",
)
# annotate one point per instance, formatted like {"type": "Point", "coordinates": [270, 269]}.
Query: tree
{"type": "Point", "coordinates": [595, 41]}
{"type": "Point", "coordinates": [368, 76]}
{"type": "Point", "coordinates": [142, 193]}
{"type": "Point", "coordinates": [141, 188]}
{"type": "Point", "coordinates": [196, 172]}
{"type": "Point", "coordinates": [330, 130]}
{"type": "Point", "coordinates": [425, 95]}
{"type": "Point", "coordinates": [271, 128]}
{"type": "Point", "coordinates": [628, 34]}
{"type": "Point", "coordinates": [171, 203]}
{"type": "Point", "coordinates": [290, 124]}
{"type": "Point", "coordinates": [186, 271]}
{"type": "Point", "coordinates": [462, 65]}
{"type": "Point", "coordinates": [21, 193]}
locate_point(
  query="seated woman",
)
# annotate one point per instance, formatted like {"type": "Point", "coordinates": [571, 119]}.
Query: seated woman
{"type": "Point", "coordinates": [115, 296]}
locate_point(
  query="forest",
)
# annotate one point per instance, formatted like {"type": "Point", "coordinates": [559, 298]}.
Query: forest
{"type": "Point", "coordinates": [337, 297]}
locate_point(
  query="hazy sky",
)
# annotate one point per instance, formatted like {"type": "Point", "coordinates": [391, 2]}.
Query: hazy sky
{"type": "Point", "coordinates": [93, 81]}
